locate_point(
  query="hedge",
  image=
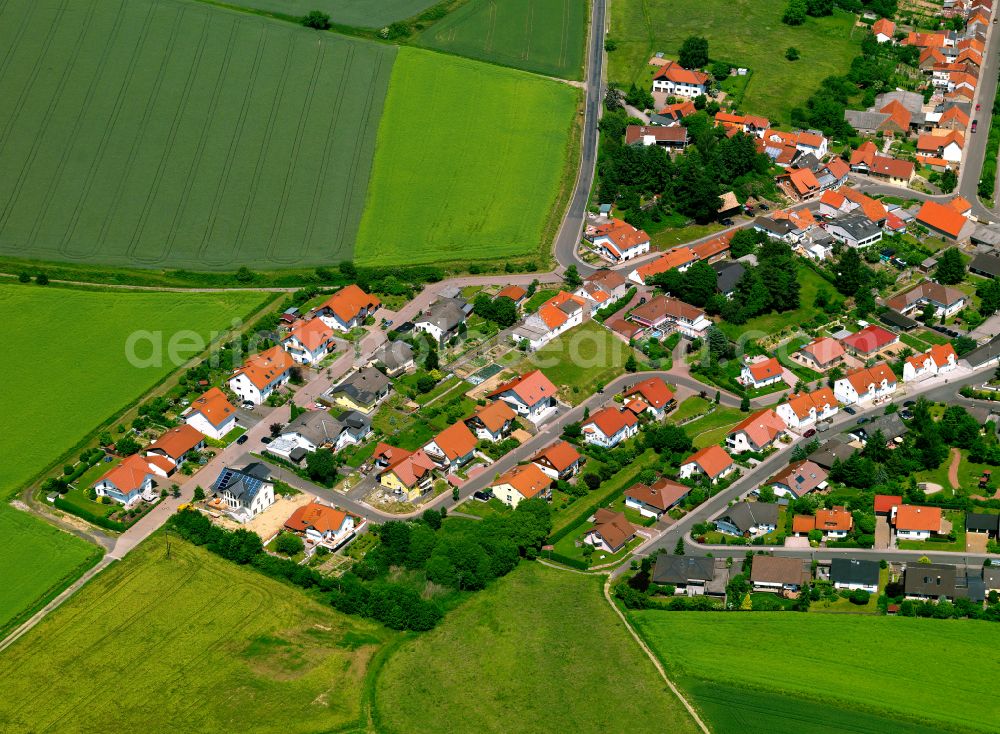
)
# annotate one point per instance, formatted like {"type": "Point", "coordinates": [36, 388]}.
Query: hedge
{"type": "Point", "coordinates": [90, 517]}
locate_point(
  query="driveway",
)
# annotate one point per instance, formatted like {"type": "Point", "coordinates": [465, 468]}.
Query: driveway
{"type": "Point", "coordinates": [883, 533]}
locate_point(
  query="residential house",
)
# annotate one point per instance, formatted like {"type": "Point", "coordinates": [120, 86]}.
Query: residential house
{"type": "Point", "coordinates": [243, 493]}
{"type": "Point", "coordinates": [666, 314]}
{"type": "Point", "coordinates": [395, 358]}
{"type": "Point", "coordinates": [865, 384]}
{"type": "Point", "coordinates": [261, 375]}
{"type": "Point", "coordinates": [916, 523]}
{"type": "Point", "coordinates": [799, 479]}
{"type": "Point", "coordinates": [127, 482]}
{"type": "Point", "coordinates": [777, 229]}
{"type": "Point", "coordinates": [869, 341]}
{"type": "Point", "coordinates": [945, 220]}
{"type": "Point", "coordinates": [777, 574]}
{"type": "Point", "coordinates": [947, 301]}
{"type": "Point", "coordinates": [691, 575]}
{"type": "Point", "coordinates": [671, 138]}
{"type": "Point", "coordinates": [617, 240]}
{"type": "Point", "coordinates": [713, 250]}
{"type": "Point", "coordinates": [837, 448]}
{"type": "Point", "coordinates": [855, 230]}
{"type": "Point", "coordinates": [347, 308]}
{"type": "Point", "coordinates": [801, 183]}
{"type": "Point", "coordinates": [727, 275]}
{"type": "Point", "coordinates": [947, 147]}
{"type": "Point", "coordinates": [851, 574]}
{"type": "Point", "coordinates": [492, 422]}
{"type": "Point", "coordinates": [611, 531]}
{"type": "Point", "coordinates": [523, 482]}
{"type": "Point", "coordinates": [676, 112]}
{"type": "Point", "coordinates": [309, 342]}
{"type": "Point", "coordinates": [758, 432]}
{"type": "Point", "coordinates": [514, 292]}
{"type": "Point", "coordinates": [601, 287]}
{"type": "Point", "coordinates": [443, 318]}
{"type": "Point", "coordinates": [886, 504]}
{"type": "Point", "coordinates": [929, 581]}
{"type": "Point", "coordinates": [609, 426]}
{"type": "Point", "coordinates": [805, 409]}
{"type": "Point", "coordinates": [892, 170]}
{"type": "Point", "coordinates": [760, 374]}
{"type": "Point", "coordinates": [453, 447]}
{"type": "Point", "coordinates": [212, 414]}
{"type": "Point", "coordinates": [176, 445]}
{"type": "Point", "coordinates": [872, 208]}
{"type": "Point", "coordinates": [978, 522]}
{"type": "Point", "coordinates": [834, 523]}
{"type": "Point", "coordinates": [676, 81]}
{"type": "Point", "coordinates": [321, 524]}
{"type": "Point", "coordinates": [939, 358]}
{"type": "Point", "coordinates": [712, 462]}
{"type": "Point", "coordinates": [657, 397]}
{"type": "Point", "coordinates": [556, 316]}
{"type": "Point", "coordinates": [406, 473]}
{"type": "Point", "coordinates": [361, 391]}
{"type": "Point", "coordinates": [656, 499]}
{"type": "Point", "coordinates": [681, 257]}
{"type": "Point", "coordinates": [559, 460]}
{"type": "Point", "coordinates": [748, 519]}
{"type": "Point", "coordinates": [532, 395]}
{"type": "Point", "coordinates": [821, 354]}
{"type": "Point", "coordinates": [890, 426]}
{"type": "Point", "coordinates": [317, 429]}
{"type": "Point", "coordinates": [884, 29]}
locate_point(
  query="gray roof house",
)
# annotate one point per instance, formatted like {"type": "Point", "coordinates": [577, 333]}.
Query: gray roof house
{"type": "Point", "coordinates": [891, 425]}
{"type": "Point", "coordinates": [727, 275]}
{"type": "Point", "coordinates": [836, 448]}
{"type": "Point", "coordinates": [748, 518]}
{"type": "Point", "coordinates": [978, 522]}
{"type": "Point", "coordinates": [855, 230]}
{"type": "Point", "coordinates": [443, 318]}
{"type": "Point", "coordinates": [985, 264]}
{"type": "Point", "coordinates": [396, 357]}
{"type": "Point", "coordinates": [243, 493]}
{"type": "Point", "coordinates": [694, 575]}
{"type": "Point", "coordinates": [851, 573]}
{"type": "Point", "coordinates": [362, 390]}
{"type": "Point", "coordinates": [316, 429]}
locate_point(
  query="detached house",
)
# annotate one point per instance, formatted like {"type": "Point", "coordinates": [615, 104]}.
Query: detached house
{"type": "Point", "coordinates": [939, 358]}
{"type": "Point", "coordinates": [656, 499]}
{"type": "Point", "coordinates": [798, 479]}
{"type": "Point", "coordinates": [309, 342]}
{"type": "Point", "coordinates": [453, 447]}
{"type": "Point", "coordinates": [492, 422]}
{"type": "Point", "coordinates": [681, 257]}
{"type": "Point", "coordinates": [712, 462]}
{"type": "Point", "coordinates": [758, 432]}
{"type": "Point", "coordinates": [805, 409]}
{"type": "Point", "coordinates": [212, 414]}
{"type": "Point", "coordinates": [560, 460]}
{"type": "Point", "coordinates": [672, 138]}
{"type": "Point", "coordinates": [947, 301]}
{"type": "Point", "coordinates": [675, 80]}
{"type": "Point", "coordinates": [666, 314]}
{"type": "Point", "coordinates": [127, 482]}
{"type": "Point", "coordinates": [748, 519]}
{"type": "Point", "coordinates": [916, 523]}
{"type": "Point", "coordinates": [244, 493]}
{"type": "Point", "coordinates": [618, 240]}
{"type": "Point", "coordinates": [261, 375]}
{"type": "Point", "coordinates": [821, 354]}
{"type": "Point", "coordinates": [946, 147]}
{"type": "Point", "coordinates": [317, 429]}
{"type": "Point", "coordinates": [556, 316]}
{"type": "Point", "coordinates": [867, 383]}
{"type": "Point", "coordinates": [321, 524]}
{"type": "Point", "coordinates": [855, 230]}
{"type": "Point", "coordinates": [443, 318]}
{"type": "Point", "coordinates": [532, 395]}
{"type": "Point", "coordinates": [869, 341]}
{"type": "Point", "coordinates": [777, 574]}
{"type": "Point", "coordinates": [610, 426]}
{"type": "Point", "coordinates": [406, 473]}
{"type": "Point", "coordinates": [653, 395]}
{"type": "Point", "coordinates": [611, 531]}
{"type": "Point", "coordinates": [760, 374]}
{"type": "Point", "coordinates": [395, 358]}
{"type": "Point", "coordinates": [691, 575]}
{"type": "Point", "coordinates": [361, 391]}
{"type": "Point", "coordinates": [851, 574]}
{"type": "Point", "coordinates": [347, 308]}
{"type": "Point", "coordinates": [175, 446]}
{"type": "Point", "coordinates": [884, 29]}
{"type": "Point", "coordinates": [521, 483]}
{"type": "Point", "coordinates": [601, 287]}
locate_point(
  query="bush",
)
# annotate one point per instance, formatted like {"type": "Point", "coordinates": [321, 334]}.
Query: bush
{"type": "Point", "coordinates": [316, 19]}
{"type": "Point", "coordinates": [289, 544]}
{"type": "Point", "coordinates": [792, 53]}
{"type": "Point", "coordinates": [859, 597]}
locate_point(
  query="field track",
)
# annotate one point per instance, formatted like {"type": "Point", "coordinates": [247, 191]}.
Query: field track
{"type": "Point", "coordinates": [169, 133]}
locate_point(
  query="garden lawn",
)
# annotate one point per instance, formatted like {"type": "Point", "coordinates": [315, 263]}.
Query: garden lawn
{"type": "Point", "coordinates": [204, 644]}
{"type": "Point", "coordinates": [358, 13]}
{"type": "Point", "coordinates": [72, 373]}
{"type": "Point", "coordinates": [854, 673]}
{"type": "Point", "coordinates": [689, 408]}
{"type": "Point", "coordinates": [746, 33]}
{"type": "Point", "coordinates": [545, 36]}
{"type": "Point", "coordinates": [466, 167]}
{"type": "Point", "coordinates": [177, 134]}
{"type": "Point", "coordinates": [713, 427]}
{"type": "Point", "coordinates": [36, 561]}
{"type": "Point", "coordinates": [538, 651]}
{"type": "Point", "coordinates": [580, 359]}
{"type": "Point", "coordinates": [772, 323]}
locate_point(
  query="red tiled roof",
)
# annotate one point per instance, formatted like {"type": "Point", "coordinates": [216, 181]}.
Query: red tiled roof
{"type": "Point", "coordinates": [942, 218]}
{"type": "Point", "coordinates": [911, 517]}
{"type": "Point", "coordinates": [885, 502]}
{"type": "Point", "coordinates": [456, 441]}
{"type": "Point", "coordinates": [870, 339]}
{"type": "Point", "coordinates": [311, 334]}
{"type": "Point", "coordinates": [177, 441]}
{"type": "Point", "coordinates": [713, 460]}
{"type": "Point", "coordinates": [513, 292]}
{"type": "Point", "coordinates": [610, 420]}
{"type": "Point", "coordinates": [348, 302]}
{"type": "Point", "coordinates": [762, 427]}
{"type": "Point", "coordinates": [320, 517]}
{"type": "Point", "coordinates": [527, 479]}
{"type": "Point", "coordinates": [561, 455]}
{"type": "Point", "coordinates": [674, 72]}
{"type": "Point", "coordinates": [530, 388]}
{"type": "Point", "coordinates": [654, 390]}
{"type": "Point", "coordinates": [883, 26]}
{"type": "Point", "coordinates": [127, 476]}
{"type": "Point", "coordinates": [675, 258]}
{"type": "Point", "coordinates": [264, 368]}
{"type": "Point", "coordinates": [765, 370]}
{"type": "Point", "coordinates": [214, 406]}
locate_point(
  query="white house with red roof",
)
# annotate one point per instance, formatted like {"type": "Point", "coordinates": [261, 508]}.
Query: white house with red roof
{"type": "Point", "coordinates": [610, 426]}
{"type": "Point", "coordinates": [212, 414]}
{"type": "Point", "coordinates": [532, 395]}
{"type": "Point", "coordinates": [347, 308]}
{"type": "Point", "coordinates": [712, 462]}
{"type": "Point", "coordinates": [939, 358]}
{"type": "Point", "coordinates": [126, 482]}
{"type": "Point", "coordinates": [556, 316]}
{"type": "Point", "coordinates": [452, 447]}
{"type": "Point", "coordinates": [761, 373]}
{"type": "Point", "coordinates": [602, 287]}
{"type": "Point", "coordinates": [884, 30]}
{"type": "Point", "coordinates": [805, 409]}
{"type": "Point", "coordinates": [521, 483]}
{"type": "Point", "coordinates": [261, 375]}
{"type": "Point", "coordinates": [758, 432]}
{"type": "Point", "coordinates": [674, 79]}
{"type": "Point", "coordinates": [871, 340]}
{"type": "Point", "coordinates": [656, 396]}
{"type": "Point", "coordinates": [309, 342]}
{"type": "Point", "coordinates": [618, 240]}
{"type": "Point", "coordinates": [559, 460]}
{"type": "Point", "coordinates": [865, 384]}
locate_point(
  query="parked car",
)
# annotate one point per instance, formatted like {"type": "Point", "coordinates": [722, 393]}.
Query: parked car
{"type": "Point", "coordinates": [810, 433]}
{"type": "Point", "coordinates": [243, 439]}
{"type": "Point", "coordinates": [975, 124]}
{"type": "Point", "coordinates": [727, 222]}
{"type": "Point", "coordinates": [764, 207]}
{"type": "Point", "coordinates": [909, 403]}
{"type": "Point", "coordinates": [905, 414]}
{"type": "Point", "coordinates": [862, 421]}
{"type": "Point", "coordinates": [978, 107]}
{"type": "Point", "coordinates": [850, 411]}
{"type": "Point", "coordinates": [824, 425]}
{"type": "Point", "coordinates": [266, 440]}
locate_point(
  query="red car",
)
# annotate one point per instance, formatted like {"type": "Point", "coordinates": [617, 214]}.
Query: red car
{"type": "Point", "coordinates": [978, 107]}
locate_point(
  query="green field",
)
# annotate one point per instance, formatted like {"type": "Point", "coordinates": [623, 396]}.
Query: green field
{"type": "Point", "coordinates": [187, 643]}
{"type": "Point", "coordinates": [472, 159]}
{"type": "Point", "coordinates": [545, 36]}
{"type": "Point", "coordinates": [361, 13]}
{"type": "Point", "coordinates": [879, 665]}
{"type": "Point", "coordinates": [539, 651]}
{"type": "Point", "coordinates": [36, 560]}
{"type": "Point", "coordinates": [169, 133]}
{"type": "Point", "coordinates": [71, 371]}
{"type": "Point", "coordinates": [745, 33]}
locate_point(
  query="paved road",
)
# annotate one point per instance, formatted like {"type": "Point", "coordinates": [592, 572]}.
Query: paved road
{"type": "Point", "coordinates": [975, 145]}
{"type": "Point", "coordinates": [572, 226]}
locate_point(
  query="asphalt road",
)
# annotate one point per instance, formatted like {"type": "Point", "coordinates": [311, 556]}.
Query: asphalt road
{"type": "Point", "coordinates": [572, 226]}
{"type": "Point", "coordinates": [975, 144]}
